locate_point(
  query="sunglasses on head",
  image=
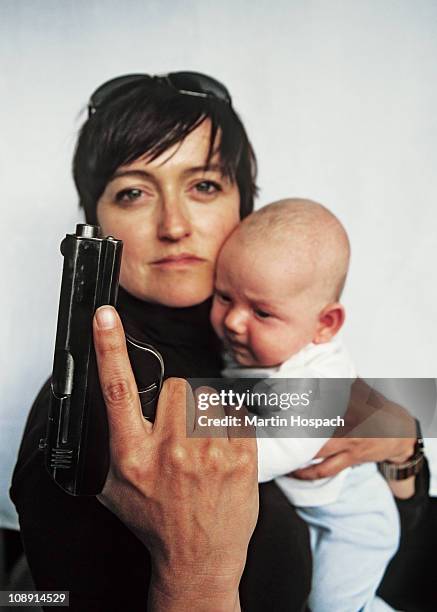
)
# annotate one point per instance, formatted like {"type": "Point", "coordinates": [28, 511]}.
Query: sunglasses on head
{"type": "Point", "coordinates": [185, 83]}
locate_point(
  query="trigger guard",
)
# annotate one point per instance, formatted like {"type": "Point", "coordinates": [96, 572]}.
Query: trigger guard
{"type": "Point", "coordinates": [148, 368]}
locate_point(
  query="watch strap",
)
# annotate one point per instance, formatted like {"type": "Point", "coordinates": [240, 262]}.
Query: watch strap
{"type": "Point", "coordinates": [410, 467]}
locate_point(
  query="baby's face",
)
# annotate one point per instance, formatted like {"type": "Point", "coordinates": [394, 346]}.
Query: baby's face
{"type": "Point", "coordinates": [262, 315]}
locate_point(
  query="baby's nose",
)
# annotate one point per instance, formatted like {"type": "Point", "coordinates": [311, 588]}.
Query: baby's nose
{"type": "Point", "coordinates": [235, 321]}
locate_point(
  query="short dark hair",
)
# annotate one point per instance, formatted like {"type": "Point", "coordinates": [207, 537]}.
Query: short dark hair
{"type": "Point", "coordinates": [149, 120]}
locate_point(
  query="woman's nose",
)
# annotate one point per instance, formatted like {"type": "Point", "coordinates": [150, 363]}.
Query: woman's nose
{"type": "Point", "coordinates": [235, 321]}
{"type": "Point", "coordinates": [174, 223]}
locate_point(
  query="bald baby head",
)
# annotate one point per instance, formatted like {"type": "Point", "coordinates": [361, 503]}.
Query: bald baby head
{"type": "Point", "coordinates": [278, 280]}
{"type": "Point", "coordinates": [303, 237]}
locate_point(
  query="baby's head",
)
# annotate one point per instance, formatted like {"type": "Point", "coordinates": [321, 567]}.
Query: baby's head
{"type": "Point", "coordinates": [278, 282]}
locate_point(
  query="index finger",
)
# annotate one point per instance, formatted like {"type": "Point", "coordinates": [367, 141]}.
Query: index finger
{"type": "Point", "coordinates": [117, 380]}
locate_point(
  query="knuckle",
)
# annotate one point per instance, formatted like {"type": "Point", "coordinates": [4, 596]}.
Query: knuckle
{"type": "Point", "coordinates": [246, 460]}
{"type": "Point", "coordinates": [130, 469]}
{"type": "Point", "coordinates": [313, 472]}
{"type": "Point", "coordinates": [213, 458]}
{"type": "Point", "coordinates": [116, 391]}
{"type": "Point", "coordinates": [178, 457]}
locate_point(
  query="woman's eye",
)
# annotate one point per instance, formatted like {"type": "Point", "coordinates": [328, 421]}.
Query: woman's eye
{"type": "Point", "coordinates": [128, 195]}
{"type": "Point", "coordinates": [207, 187]}
{"type": "Point", "coordinates": [262, 314]}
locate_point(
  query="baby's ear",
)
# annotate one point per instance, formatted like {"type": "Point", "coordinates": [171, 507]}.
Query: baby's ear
{"type": "Point", "coordinates": [331, 319]}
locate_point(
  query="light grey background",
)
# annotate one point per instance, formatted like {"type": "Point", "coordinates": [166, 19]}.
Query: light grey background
{"type": "Point", "coordinates": [339, 99]}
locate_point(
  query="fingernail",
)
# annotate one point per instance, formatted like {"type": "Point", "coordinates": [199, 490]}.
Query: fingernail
{"type": "Point", "coordinates": [105, 317]}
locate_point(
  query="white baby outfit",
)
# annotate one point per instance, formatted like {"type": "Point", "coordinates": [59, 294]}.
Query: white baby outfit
{"type": "Point", "coordinates": [352, 517]}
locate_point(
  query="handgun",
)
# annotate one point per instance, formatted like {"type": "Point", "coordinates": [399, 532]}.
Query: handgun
{"type": "Point", "coordinates": [77, 442]}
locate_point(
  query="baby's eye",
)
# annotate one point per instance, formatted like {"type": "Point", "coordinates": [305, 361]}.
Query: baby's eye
{"type": "Point", "coordinates": [127, 196]}
{"type": "Point", "coordinates": [262, 314]}
{"type": "Point", "coordinates": [208, 187]}
{"type": "Point", "coordinates": [222, 297]}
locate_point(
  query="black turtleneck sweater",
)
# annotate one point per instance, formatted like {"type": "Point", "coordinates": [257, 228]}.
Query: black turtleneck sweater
{"type": "Point", "coordinates": [76, 544]}
{"type": "Point", "coordinates": [183, 336]}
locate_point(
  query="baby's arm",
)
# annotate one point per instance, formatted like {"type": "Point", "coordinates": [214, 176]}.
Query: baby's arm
{"type": "Point", "coordinates": [278, 456]}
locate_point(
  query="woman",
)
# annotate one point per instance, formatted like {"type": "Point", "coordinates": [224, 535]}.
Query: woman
{"type": "Point", "coordinates": [165, 165]}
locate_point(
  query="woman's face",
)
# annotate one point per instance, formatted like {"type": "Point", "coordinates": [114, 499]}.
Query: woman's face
{"type": "Point", "coordinates": [173, 215]}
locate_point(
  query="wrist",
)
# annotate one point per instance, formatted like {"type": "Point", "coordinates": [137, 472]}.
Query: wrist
{"type": "Point", "coordinates": [175, 591]}
{"type": "Point", "coordinates": [183, 598]}
{"type": "Point", "coordinates": [403, 470]}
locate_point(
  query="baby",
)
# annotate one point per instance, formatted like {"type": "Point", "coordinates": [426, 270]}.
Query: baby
{"type": "Point", "coordinates": [276, 307]}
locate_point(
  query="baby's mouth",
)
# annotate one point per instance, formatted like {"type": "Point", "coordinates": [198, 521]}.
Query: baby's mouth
{"type": "Point", "coordinates": [236, 347]}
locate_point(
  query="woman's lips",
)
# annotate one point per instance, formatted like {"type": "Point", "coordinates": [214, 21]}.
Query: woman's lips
{"type": "Point", "coordinates": [178, 261]}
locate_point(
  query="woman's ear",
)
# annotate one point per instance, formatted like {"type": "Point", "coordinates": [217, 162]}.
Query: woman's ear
{"type": "Point", "coordinates": [331, 319]}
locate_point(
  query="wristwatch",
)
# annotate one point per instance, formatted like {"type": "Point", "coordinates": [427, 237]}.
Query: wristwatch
{"type": "Point", "coordinates": [410, 467]}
